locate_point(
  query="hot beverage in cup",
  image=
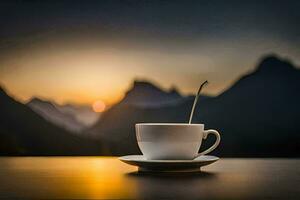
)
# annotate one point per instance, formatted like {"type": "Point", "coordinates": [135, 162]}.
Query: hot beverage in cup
{"type": "Point", "coordinates": [166, 141]}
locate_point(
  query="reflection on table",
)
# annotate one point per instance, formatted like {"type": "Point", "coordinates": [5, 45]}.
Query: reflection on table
{"type": "Point", "coordinates": [108, 178]}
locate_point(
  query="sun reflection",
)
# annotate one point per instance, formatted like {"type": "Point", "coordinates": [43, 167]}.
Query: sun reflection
{"type": "Point", "coordinates": [111, 183]}
{"type": "Point", "coordinates": [67, 178]}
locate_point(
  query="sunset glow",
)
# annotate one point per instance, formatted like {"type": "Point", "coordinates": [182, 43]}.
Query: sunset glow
{"type": "Point", "coordinates": [99, 106]}
{"type": "Point", "coordinates": [98, 56]}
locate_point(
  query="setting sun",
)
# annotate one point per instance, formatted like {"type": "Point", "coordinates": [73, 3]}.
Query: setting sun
{"type": "Point", "coordinates": [99, 106]}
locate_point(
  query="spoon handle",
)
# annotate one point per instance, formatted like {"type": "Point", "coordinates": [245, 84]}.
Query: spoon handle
{"type": "Point", "coordinates": [195, 101]}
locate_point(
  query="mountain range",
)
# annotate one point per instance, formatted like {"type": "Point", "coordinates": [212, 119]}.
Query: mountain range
{"type": "Point", "coordinates": [257, 116]}
{"type": "Point", "coordinates": [74, 118]}
{"type": "Point", "coordinates": [24, 132]}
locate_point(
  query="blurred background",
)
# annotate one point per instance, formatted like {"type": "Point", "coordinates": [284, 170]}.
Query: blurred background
{"type": "Point", "coordinates": [75, 76]}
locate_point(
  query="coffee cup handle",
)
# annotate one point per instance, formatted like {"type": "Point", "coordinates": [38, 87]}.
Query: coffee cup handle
{"type": "Point", "coordinates": [216, 133]}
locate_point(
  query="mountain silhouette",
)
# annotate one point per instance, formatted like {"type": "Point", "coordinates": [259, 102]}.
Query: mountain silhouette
{"type": "Point", "coordinates": [51, 113]}
{"type": "Point", "coordinates": [257, 116]}
{"type": "Point", "coordinates": [146, 95]}
{"type": "Point", "coordinates": [23, 132]}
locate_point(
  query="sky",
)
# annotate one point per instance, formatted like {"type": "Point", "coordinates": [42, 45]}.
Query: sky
{"type": "Point", "coordinates": [85, 51]}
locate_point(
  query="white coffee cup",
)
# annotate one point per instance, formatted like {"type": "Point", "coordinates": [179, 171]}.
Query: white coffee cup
{"type": "Point", "coordinates": [168, 141]}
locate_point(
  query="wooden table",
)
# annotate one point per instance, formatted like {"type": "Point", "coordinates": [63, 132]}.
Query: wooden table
{"type": "Point", "coordinates": [108, 178]}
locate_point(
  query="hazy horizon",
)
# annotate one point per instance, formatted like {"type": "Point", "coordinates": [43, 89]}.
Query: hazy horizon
{"type": "Point", "coordinates": [156, 83]}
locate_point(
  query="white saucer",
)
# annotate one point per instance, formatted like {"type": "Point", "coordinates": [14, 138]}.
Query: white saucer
{"type": "Point", "coordinates": [168, 165]}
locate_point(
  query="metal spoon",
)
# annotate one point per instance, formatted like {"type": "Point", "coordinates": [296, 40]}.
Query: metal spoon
{"type": "Point", "coordinates": [195, 101]}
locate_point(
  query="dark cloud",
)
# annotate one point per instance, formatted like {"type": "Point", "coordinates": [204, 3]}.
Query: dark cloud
{"type": "Point", "coordinates": [146, 19]}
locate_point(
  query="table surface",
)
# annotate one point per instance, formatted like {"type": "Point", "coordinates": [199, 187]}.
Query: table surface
{"type": "Point", "coordinates": [108, 178]}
